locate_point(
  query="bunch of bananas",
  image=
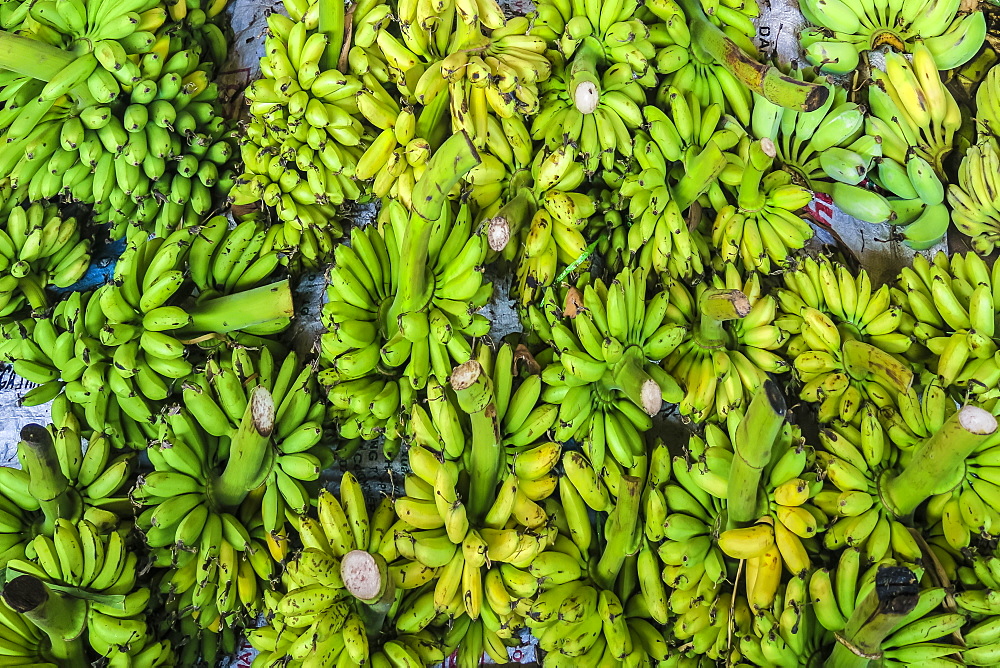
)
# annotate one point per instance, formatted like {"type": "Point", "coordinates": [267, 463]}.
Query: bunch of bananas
{"type": "Point", "coordinates": [582, 618]}
{"type": "Point", "coordinates": [839, 372]}
{"type": "Point", "coordinates": [553, 237]}
{"type": "Point", "coordinates": [523, 417]}
{"type": "Point", "coordinates": [911, 111]}
{"type": "Point", "coordinates": [371, 328]}
{"type": "Point", "coordinates": [322, 615]}
{"type": "Point", "coordinates": [87, 560]}
{"type": "Point", "coordinates": [602, 364]}
{"type": "Point", "coordinates": [41, 247]}
{"type": "Point", "coordinates": [679, 161]}
{"type": "Point", "coordinates": [787, 632]}
{"type": "Point", "coordinates": [919, 203]}
{"type": "Point", "coordinates": [973, 209]}
{"type": "Point", "coordinates": [105, 115]}
{"type": "Point", "coordinates": [304, 141]}
{"type": "Point", "coordinates": [221, 262]}
{"type": "Point", "coordinates": [720, 367]}
{"type": "Point", "coordinates": [845, 343]}
{"type": "Point", "coordinates": [987, 102]}
{"type": "Point", "coordinates": [783, 518]}
{"type": "Point", "coordinates": [847, 297]}
{"type": "Point", "coordinates": [761, 228]}
{"type": "Point", "coordinates": [826, 149]}
{"type": "Point", "coordinates": [951, 302]}
{"type": "Point", "coordinates": [495, 75]}
{"type": "Point", "coordinates": [704, 609]}
{"type": "Point", "coordinates": [500, 519]}
{"type": "Point", "coordinates": [602, 134]}
{"type": "Point", "coordinates": [68, 482]}
{"type": "Point", "coordinates": [244, 464]}
{"type": "Point", "coordinates": [709, 72]}
{"type": "Point", "coordinates": [396, 158]}
{"type": "Point", "coordinates": [847, 29]}
{"type": "Point", "coordinates": [134, 324]}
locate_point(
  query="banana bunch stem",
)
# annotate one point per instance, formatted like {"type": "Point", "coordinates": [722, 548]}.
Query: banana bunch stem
{"type": "Point", "coordinates": [584, 81]}
{"type": "Point", "coordinates": [717, 307]}
{"type": "Point", "coordinates": [640, 388]}
{"type": "Point", "coordinates": [895, 594]}
{"type": "Point", "coordinates": [930, 470]}
{"type": "Point", "coordinates": [366, 576]}
{"type": "Point", "coordinates": [61, 618]}
{"type": "Point", "coordinates": [620, 532]}
{"type": "Point", "coordinates": [249, 446]}
{"type": "Point", "coordinates": [761, 155]}
{"type": "Point", "coordinates": [46, 481]}
{"type": "Point", "coordinates": [510, 219]}
{"type": "Point", "coordinates": [32, 58]}
{"type": "Point", "coordinates": [331, 24]}
{"type": "Point", "coordinates": [765, 80]}
{"type": "Point", "coordinates": [474, 391]}
{"type": "Point", "coordinates": [755, 438]}
{"type": "Point", "coordinates": [242, 309]}
{"type": "Point", "coordinates": [456, 157]}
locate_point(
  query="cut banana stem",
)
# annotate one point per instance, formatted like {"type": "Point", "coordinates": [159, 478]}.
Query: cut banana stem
{"type": "Point", "coordinates": [32, 57]}
{"type": "Point", "coordinates": [718, 306]}
{"type": "Point", "coordinates": [759, 159]}
{"type": "Point", "coordinates": [62, 618]}
{"type": "Point", "coordinates": [472, 386]}
{"type": "Point", "coordinates": [365, 576]}
{"type": "Point", "coordinates": [938, 464]}
{"type": "Point", "coordinates": [243, 309]}
{"type": "Point", "coordinates": [249, 445]}
{"type": "Point", "coordinates": [636, 384]}
{"type": "Point", "coordinates": [584, 81]}
{"type": "Point", "coordinates": [895, 594]}
{"type": "Point", "coordinates": [509, 220]}
{"type": "Point", "coordinates": [755, 437]}
{"type": "Point", "coordinates": [46, 481]}
{"type": "Point", "coordinates": [765, 80]}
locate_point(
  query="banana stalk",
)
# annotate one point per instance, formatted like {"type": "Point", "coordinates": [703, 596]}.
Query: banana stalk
{"type": "Point", "coordinates": [366, 577]}
{"type": "Point", "coordinates": [895, 594]}
{"type": "Point", "coordinates": [46, 481]}
{"type": "Point", "coordinates": [761, 155]}
{"type": "Point", "coordinates": [32, 58]}
{"type": "Point", "coordinates": [510, 219]}
{"type": "Point", "coordinates": [242, 309]}
{"type": "Point", "coordinates": [456, 157]}
{"type": "Point", "coordinates": [938, 464]}
{"type": "Point", "coordinates": [620, 531]}
{"type": "Point", "coordinates": [765, 80]}
{"type": "Point", "coordinates": [61, 618]}
{"type": "Point", "coordinates": [331, 24]}
{"type": "Point", "coordinates": [718, 306]}
{"type": "Point", "coordinates": [249, 446]}
{"type": "Point", "coordinates": [640, 388]}
{"type": "Point", "coordinates": [472, 386]}
{"type": "Point", "coordinates": [755, 438]}
{"type": "Point", "coordinates": [473, 389]}
{"type": "Point", "coordinates": [584, 81]}
{"type": "Point", "coordinates": [701, 172]}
